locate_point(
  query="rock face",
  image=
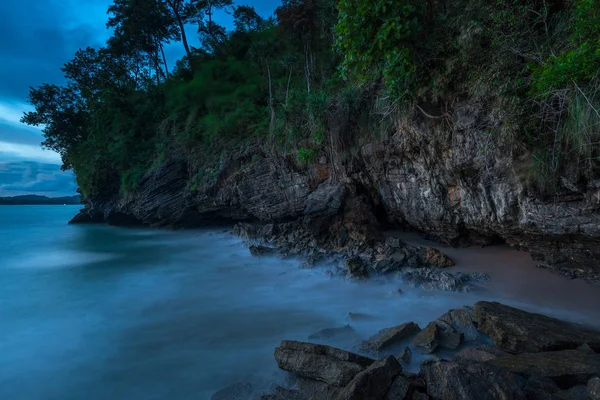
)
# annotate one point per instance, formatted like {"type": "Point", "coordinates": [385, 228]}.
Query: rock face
{"type": "Point", "coordinates": [450, 180]}
{"type": "Point", "coordinates": [318, 362]}
{"type": "Point", "coordinates": [399, 389]}
{"type": "Point", "coordinates": [438, 279]}
{"type": "Point", "coordinates": [389, 337]}
{"type": "Point", "coordinates": [374, 382]}
{"type": "Point", "coordinates": [468, 380]}
{"type": "Point", "coordinates": [518, 331]}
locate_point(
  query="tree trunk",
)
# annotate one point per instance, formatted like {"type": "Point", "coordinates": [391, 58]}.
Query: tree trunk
{"type": "Point", "coordinates": [271, 105]}
{"type": "Point", "coordinates": [184, 40]}
{"type": "Point", "coordinates": [164, 59]}
{"type": "Point", "coordinates": [306, 66]}
{"type": "Point", "coordinates": [287, 90]}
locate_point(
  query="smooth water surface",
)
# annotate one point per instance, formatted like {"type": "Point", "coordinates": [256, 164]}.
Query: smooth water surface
{"type": "Point", "coordinates": [97, 312]}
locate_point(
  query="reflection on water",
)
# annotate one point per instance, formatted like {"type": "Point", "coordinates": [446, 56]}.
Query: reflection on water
{"type": "Point", "coordinates": [98, 312]}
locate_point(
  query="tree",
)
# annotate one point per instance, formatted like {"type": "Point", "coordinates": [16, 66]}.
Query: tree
{"type": "Point", "coordinates": [142, 26]}
{"type": "Point", "coordinates": [374, 39]}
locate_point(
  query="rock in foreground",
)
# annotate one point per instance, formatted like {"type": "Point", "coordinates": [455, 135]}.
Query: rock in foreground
{"type": "Point", "coordinates": [389, 337]}
{"type": "Point", "coordinates": [318, 362]}
{"type": "Point", "coordinates": [467, 380]}
{"type": "Point", "coordinates": [518, 331]}
{"type": "Point", "coordinates": [374, 382]}
{"type": "Point", "coordinates": [567, 367]}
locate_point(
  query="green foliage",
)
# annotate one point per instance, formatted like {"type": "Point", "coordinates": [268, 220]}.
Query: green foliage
{"type": "Point", "coordinates": [374, 38]}
{"type": "Point", "coordinates": [307, 156]}
{"type": "Point", "coordinates": [580, 61]}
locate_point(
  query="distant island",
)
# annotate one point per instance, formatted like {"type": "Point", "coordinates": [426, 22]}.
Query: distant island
{"type": "Point", "coordinates": [39, 200]}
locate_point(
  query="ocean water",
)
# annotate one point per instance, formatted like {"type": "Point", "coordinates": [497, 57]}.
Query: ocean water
{"type": "Point", "coordinates": [97, 312]}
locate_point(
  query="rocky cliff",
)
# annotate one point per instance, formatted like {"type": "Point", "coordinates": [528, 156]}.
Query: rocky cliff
{"type": "Point", "coordinates": [446, 177]}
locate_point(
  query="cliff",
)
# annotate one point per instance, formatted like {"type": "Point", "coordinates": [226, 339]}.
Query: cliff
{"type": "Point", "coordinates": [443, 177]}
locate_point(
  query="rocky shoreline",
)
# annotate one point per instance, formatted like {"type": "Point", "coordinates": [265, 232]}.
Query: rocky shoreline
{"type": "Point", "coordinates": [529, 356]}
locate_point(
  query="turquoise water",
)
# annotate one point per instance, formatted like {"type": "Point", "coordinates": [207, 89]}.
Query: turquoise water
{"type": "Point", "coordinates": [97, 312]}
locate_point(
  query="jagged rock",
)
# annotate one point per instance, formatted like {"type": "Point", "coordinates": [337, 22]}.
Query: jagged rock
{"type": "Point", "coordinates": [405, 356]}
{"type": "Point", "coordinates": [461, 320]}
{"type": "Point", "coordinates": [448, 336]}
{"type": "Point", "coordinates": [235, 391]}
{"type": "Point", "coordinates": [518, 331]}
{"type": "Point", "coordinates": [357, 269]}
{"type": "Point", "coordinates": [428, 339]}
{"type": "Point", "coordinates": [481, 353]}
{"type": "Point", "coordinates": [593, 388]}
{"type": "Point", "coordinates": [388, 337]}
{"type": "Point", "coordinates": [566, 367]}
{"type": "Point", "coordinates": [261, 251]}
{"type": "Point", "coordinates": [467, 380]}
{"type": "Point", "coordinates": [373, 382]}
{"type": "Point", "coordinates": [438, 279]}
{"type": "Point", "coordinates": [329, 333]}
{"type": "Point", "coordinates": [323, 363]}
{"type": "Point", "coordinates": [310, 389]}
{"type": "Point", "coordinates": [399, 389]}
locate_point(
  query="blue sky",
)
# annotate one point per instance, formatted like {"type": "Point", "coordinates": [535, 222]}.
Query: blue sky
{"type": "Point", "coordinates": [36, 38]}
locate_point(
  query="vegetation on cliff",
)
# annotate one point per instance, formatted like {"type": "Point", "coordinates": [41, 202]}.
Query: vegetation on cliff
{"type": "Point", "coordinates": [323, 76]}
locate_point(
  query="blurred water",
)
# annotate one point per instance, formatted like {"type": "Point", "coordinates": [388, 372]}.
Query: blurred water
{"type": "Point", "coordinates": [98, 312]}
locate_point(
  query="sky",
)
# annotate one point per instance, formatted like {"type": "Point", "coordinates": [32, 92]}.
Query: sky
{"type": "Point", "coordinates": [36, 38]}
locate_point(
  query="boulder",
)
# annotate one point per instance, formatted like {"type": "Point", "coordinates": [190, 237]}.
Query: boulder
{"type": "Point", "coordinates": [310, 389]}
{"type": "Point", "coordinates": [235, 391]}
{"type": "Point", "coordinates": [438, 279]}
{"type": "Point", "coordinates": [518, 331]}
{"type": "Point", "coordinates": [345, 332]}
{"type": "Point", "coordinates": [399, 389]}
{"type": "Point", "coordinates": [461, 320]}
{"type": "Point", "coordinates": [593, 388]}
{"type": "Point", "coordinates": [405, 356]}
{"type": "Point", "coordinates": [261, 251]}
{"type": "Point", "coordinates": [480, 354]}
{"type": "Point", "coordinates": [428, 339]}
{"type": "Point", "coordinates": [318, 362]}
{"type": "Point", "coordinates": [467, 380]}
{"type": "Point", "coordinates": [356, 267]}
{"type": "Point", "coordinates": [374, 382]}
{"type": "Point", "coordinates": [389, 337]}
{"type": "Point", "coordinates": [565, 367]}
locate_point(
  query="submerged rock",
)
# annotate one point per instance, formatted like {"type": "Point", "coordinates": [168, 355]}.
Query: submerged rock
{"type": "Point", "coordinates": [467, 380]}
{"type": "Point", "coordinates": [566, 367]}
{"type": "Point", "coordinates": [318, 362]}
{"type": "Point", "coordinates": [329, 333]}
{"type": "Point", "coordinates": [235, 391]}
{"type": "Point", "coordinates": [518, 331]}
{"type": "Point", "coordinates": [373, 382]}
{"type": "Point", "coordinates": [388, 337]}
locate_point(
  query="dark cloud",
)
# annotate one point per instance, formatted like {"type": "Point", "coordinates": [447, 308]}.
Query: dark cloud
{"type": "Point", "coordinates": [36, 39]}
{"type": "Point", "coordinates": [29, 177]}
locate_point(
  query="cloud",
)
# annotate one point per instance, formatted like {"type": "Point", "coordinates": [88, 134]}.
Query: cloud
{"type": "Point", "coordinates": [29, 177]}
